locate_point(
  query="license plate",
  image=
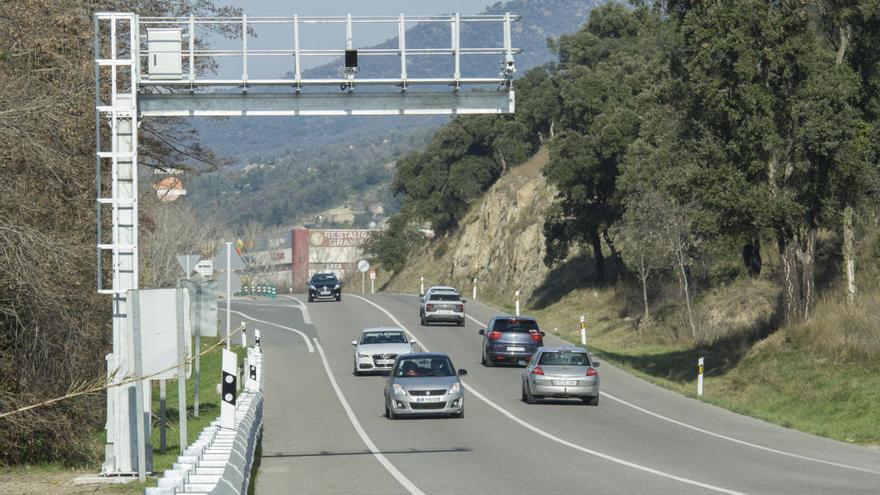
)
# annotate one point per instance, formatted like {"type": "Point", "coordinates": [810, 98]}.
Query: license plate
{"type": "Point", "coordinates": [565, 383]}
{"type": "Point", "coordinates": [516, 349]}
{"type": "Point", "coordinates": [428, 399]}
{"type": "Point", "coordinates": [385, 362]}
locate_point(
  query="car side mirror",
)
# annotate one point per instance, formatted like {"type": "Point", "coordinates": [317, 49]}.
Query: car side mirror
{"type": "Point", "coordinates": [543, 334]}
{"type": "Point", "coordinates": [354, 343]}
{"type": "Point", "coordinates": [596, 364]}
{"type": "Point", "coordinates": [464, 301]}
{"type": "Point", "coordinates": [413, 341]}
{"type": "Point", "coordinates": [482, 332]}
{"type": "Point", "coordinates": [462, 372]}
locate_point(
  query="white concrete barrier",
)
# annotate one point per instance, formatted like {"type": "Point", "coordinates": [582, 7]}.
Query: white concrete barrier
{"type": "Point", "coordinates": [219, 462]}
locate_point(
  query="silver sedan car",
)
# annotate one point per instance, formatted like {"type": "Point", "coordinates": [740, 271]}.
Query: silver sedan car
{"type": "Point", "coordinates": [424, 384]}
{"type": "Point", "coordinates": [561, 372]}
{"type": "Point", "coordinates": [377, 348]}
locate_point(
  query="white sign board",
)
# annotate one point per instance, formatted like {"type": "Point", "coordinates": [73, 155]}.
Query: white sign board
{"type": "Point", "coordinates": [158, 323]}
{"type": "Point", "coordinates": [363, 265]}
{"type": "Point", "coordinates": [372, 274]}
{"type": "Point", "coordinates": [205, 268]}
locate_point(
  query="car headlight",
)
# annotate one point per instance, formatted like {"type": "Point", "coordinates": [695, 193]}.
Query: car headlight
{"type": "Point", "coordinates": [312, 287]}
{"type": "Point", "coordinates": [455, 388]}
{"type": "Point", "coordinates": [360, 354]}
{"type": "Point", "coordinates": [399, 390]}
{"type": "Point", "coordinates": [337, 286]}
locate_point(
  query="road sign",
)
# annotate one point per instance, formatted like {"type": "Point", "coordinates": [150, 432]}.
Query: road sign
{"type": "Point", "coordinates": [363, 265]}
{"type": "Point", "coordinates": [372, 274]}
{"type": "Point", "coordinates": [188, 262]}
{"type": "Point", "coordinates": [205, 268]}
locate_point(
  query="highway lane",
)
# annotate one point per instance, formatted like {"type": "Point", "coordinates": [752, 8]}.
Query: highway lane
{"type": "Point", "coordinates": [490, 451]}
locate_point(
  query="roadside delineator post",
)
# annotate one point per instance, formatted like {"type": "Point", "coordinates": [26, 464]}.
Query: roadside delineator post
{"type": "Point", "coordinates": [421, 286]}
{"type": "Point", "coordinates": [228, 390]}
{"type": "Point", "coordinates": [475, 289]}
{"type": "Point", "coordinates": [583, 330]}
{"type": "Point", "coordinates": [517, 303]}
{"type": "Point", "coordinates": [700, 378]}
{"type": "Point", "coordinates": [244, 334]}
{"type": "Point", "coordinates": [257, 339]}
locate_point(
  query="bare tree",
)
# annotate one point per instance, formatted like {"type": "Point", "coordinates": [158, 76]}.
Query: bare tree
{"type": "Point", "coordinates": [644, 231]}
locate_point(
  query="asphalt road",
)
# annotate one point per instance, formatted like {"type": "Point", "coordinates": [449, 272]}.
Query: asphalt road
{"type": "Point", "coordinates": [324, 431]}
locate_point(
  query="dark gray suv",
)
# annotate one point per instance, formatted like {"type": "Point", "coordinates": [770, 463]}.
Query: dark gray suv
{"type": "Point", "coordinates": [510, 339]}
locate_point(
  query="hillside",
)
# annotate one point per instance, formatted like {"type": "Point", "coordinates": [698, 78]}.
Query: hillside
{"type": "Point", "coordinates": [754, 365]}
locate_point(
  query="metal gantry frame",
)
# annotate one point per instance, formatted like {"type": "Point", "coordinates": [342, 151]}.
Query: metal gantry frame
{"type": "Point", "coordinates": [125, 93]}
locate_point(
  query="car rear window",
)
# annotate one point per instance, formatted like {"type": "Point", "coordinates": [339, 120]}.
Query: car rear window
{"type": "Point", "coordinates": [515, 325]}
{"type": "Point", "coordinates": [564, 358]}
{"type": "Point", "coordinates": [425, 366]}
{"type": "Point", "coordinates": [324, 278]}
{"type": "Point", "coordinates": [383, 338]}
{"type": "Point", "coordinates": [445, 297]}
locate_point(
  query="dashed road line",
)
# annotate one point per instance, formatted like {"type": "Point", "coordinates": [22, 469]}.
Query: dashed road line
{"type": "Point", "coordinates": [559, 440]}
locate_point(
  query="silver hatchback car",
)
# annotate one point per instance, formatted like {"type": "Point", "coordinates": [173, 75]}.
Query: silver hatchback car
{"type": "Point", "coordinates": [442, 307]}
{"type": "Point", "coordinates": [563, 372]}
{"type": "Point", "coordinates": [424, 384]}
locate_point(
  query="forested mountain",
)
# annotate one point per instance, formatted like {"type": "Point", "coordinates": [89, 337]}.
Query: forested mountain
{"type": "Point", "coordinates": [359, 147]}
{"type": "Point", "coordinates": [693, 140]}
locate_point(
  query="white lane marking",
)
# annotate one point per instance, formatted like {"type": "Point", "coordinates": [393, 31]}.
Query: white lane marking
{"type": "Point", "coordinates": [735, 440]}
{"type": "Point", "coordinates": [561, 441]}
{"type": "Point", "coordinates": [305, 309]}
{"type": "Point", "coordinates": [303, 335]}
{"type": "Point", "coordinates": [725, 437]}
{"type": "Point", "coordinates": [392, 470]}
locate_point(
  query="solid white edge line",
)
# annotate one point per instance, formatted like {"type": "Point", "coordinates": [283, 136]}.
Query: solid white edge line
{"type": "Point", "coordinates": [303, 335]}
{"type": "Point", "coordinates": [305, 309]}
{"type": "Point", "coordinates": [735, 440]}
{"type": "Point", "coordinates": [392, 470]}
{"type": "Point", "coordinates": [725, 437]}
{"type": "Point", "coordinates": [556, 439]}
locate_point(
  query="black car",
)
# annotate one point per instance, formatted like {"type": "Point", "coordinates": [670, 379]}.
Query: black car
{"type": "Point", "coordinates": [510, 339]}
{"type": "Point", "coordinates": [325, 286]}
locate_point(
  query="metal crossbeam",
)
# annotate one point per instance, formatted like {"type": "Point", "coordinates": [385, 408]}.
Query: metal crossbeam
{"type": "Point", "coordinates": [323, 104]}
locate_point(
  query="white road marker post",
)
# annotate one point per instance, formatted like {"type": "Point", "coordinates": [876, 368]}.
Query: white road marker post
{"type": "Point", "coordinates": [475, 289]}
{"type": "Point", "coordinates": [244, 334]}
{"type": "Point", "coordinates": [228, 289]}
{"type": "Point", "coordinates": [584, 330]}
{"type": "Point", "coordinates": [517, 303]}
{"type": "Point", "coordinates": [363, 282]}
{"type": "Point", "coordinates": [421, 286]}
{"type": "Point", "coordinates": [700, 378]}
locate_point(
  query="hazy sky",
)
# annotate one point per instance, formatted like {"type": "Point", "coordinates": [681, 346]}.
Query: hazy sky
{"type": "Point", "coordinates": [315, 37]}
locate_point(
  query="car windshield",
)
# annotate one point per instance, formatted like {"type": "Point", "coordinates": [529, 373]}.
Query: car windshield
{"type": "Point", "coordinates": [425, 366]}
{"type": "Point", "coordinates": [324, 277]}
{"type": "Point", "coordinates": [383, 338]}
{"type": "Point", "coordinates": [445, 297]}
{"type": "Point", "coordinates": [515, 325]}
{"type": "Point", "coordinates": [563, 358]}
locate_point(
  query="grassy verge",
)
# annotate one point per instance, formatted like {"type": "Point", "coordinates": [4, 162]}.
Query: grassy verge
{"type": "Point", "coordinates": [209, 406]}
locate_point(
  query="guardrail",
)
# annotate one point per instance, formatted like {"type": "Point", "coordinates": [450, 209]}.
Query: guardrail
{"type": "Point", "coordinates": [219, 462]}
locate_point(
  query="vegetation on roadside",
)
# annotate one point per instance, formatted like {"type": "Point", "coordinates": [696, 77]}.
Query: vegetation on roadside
{"type": "Point", "coordinates": [716, 166]}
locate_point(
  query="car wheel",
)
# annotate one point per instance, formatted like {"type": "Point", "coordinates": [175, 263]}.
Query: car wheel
{"type": "Point", "coordinates": [461, 323]}
{"type": "Point", "coordinates": [423, 321]}
{"type": "Point", "coordinates": [339, 298]}
{"type": "Point", "coordinates": [591, 401]}
{"type": "Point", "coordinates": [486, 362]}
{"type": "Point", "coordinates": [530, 399]}
{"type": "Point", "coordinates": [460, 414]}
{"type": "Point", "coordinates": [389, 413]}
{"type": "Point", "coordinates": [311, 299]}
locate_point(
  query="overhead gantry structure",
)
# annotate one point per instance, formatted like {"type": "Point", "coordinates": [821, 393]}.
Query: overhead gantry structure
{"type": "Point", "coordinates": [164, 67]}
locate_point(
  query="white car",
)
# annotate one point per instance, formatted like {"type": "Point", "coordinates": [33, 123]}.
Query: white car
{"type": "Point", "coordinates": [377, 348]}
{"type": "Point", "coordinates": [437, 289]}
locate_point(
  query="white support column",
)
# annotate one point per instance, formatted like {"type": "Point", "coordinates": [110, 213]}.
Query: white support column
{"type": "Point", "coordinates": [121, 113]}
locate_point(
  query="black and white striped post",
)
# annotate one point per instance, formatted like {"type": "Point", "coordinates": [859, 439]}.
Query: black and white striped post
{"type": "Point", "coordinates": [228, 390]}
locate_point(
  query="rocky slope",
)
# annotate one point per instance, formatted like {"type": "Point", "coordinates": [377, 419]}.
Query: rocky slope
{"type": "Point", "coordinates": [500, 241]}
